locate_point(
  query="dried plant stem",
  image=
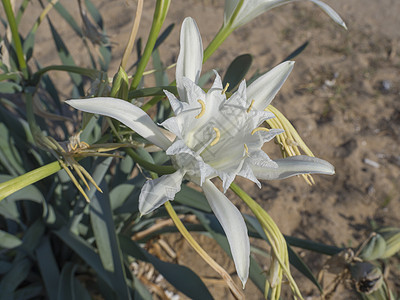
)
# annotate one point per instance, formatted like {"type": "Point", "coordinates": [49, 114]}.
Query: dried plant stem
{"type": "Point", "coordinates": [132, 37]}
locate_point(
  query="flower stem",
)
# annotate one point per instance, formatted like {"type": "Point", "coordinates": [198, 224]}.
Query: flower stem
{"type": "Point", "coordinates": [159, 16]}
{"type": "Point", "coordinates": [9, 187]}
{"type": "Point", "coordinates": [221, 36]}
{"type": "Point", "coordinates": [15, 36]}
{"type": "Point", "coordinates": [204, 255]}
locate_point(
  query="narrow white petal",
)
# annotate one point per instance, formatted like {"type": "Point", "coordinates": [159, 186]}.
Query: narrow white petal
{"type": "Point", "coordinates": [192, 91]}
{"type": "Point", "coordinates": [294, 165]}
{"type": "Point", "coordinates": [125, 112]}
{"type": "Point", "coordinates": [331, 13]}
{"type": "Point", "coordinates": [172, 125]}
{"type": "Point", "coordinates": [157, 191]}
{"type": "Point", "coordinates": [234, 226]}
{"type": "Point", "coordinates": [217, 84]}
{"type": "Point", "coordinates": [264, 89]}
{"type": "Point", "coordinates": [176, 105]}
{"type": "Point", "coordinates": [190, 57]}
{"type": "Point", "coordinates": [247, 172]}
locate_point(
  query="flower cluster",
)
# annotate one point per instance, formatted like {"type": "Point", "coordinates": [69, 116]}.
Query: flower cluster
{"type": "Point", "coordinates": [216, 136]}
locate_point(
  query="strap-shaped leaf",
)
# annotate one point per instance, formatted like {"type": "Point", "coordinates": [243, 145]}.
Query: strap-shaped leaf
{"type": "Point", "coordinates": [48, 267]}
{"type": "Point", "coordinates": [182, 278]}
{"type": "Point", "coordinates": [237, 70]}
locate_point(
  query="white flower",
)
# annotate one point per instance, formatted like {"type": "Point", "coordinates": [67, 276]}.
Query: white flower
{"type": "Point", "coordinates": [239, 12]}
{"type": "Point", "coordinates": [215, 136]}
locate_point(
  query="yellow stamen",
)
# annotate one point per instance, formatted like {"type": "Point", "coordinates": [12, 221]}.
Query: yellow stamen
{"type": "Point", "coordinates": [258, 129]}
{"type": "Point", "coordinates": [251, 105]}
{"type": "Point", "coordinates": [203, 109]}
{"type": "Point", "coordinates": [247, 149]}
{"type": "Point", "coordinates": [217, 137]}
{"type": "Point", "coordinates": [84, 145]}
{"type": "Point", "coordinates": [225, 89]}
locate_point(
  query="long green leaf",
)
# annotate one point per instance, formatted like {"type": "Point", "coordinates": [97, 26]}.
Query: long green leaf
{"type": "Point", "coordinates": [69, 287]}
{"type": "Point", "coordinates": [104, 231]}
{"type": "Point", "coordinates": [14, 278]}
{"type": "Point", "coordinates": [9, 241]}
{"type": "Point", "coordinates": [180, 277]}
{"type": "Point", "coordinates": [48, 267]}
{"type": "Point", "coordinates": [85, 251]}
{"type": "Point", "coordinates": [300, 265]}
{"type": "Point", "coordinates": [64, 54]}
{"type": "Point", "coordinates": [237, 70]}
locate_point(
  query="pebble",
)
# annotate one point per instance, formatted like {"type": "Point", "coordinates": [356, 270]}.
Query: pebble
{"type": "Point", "coordinates": [371, 163]}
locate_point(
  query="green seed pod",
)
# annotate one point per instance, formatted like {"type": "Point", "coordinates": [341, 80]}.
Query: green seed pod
{"type": "Point", "coordinates": [374, 248]}
{"type": "Point", "coordinates": [367, 277]}
{"type": "Point", "coordinates": [392, 238]}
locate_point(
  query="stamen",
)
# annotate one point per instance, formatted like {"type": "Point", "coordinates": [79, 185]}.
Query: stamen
{"type": "Point", "coordinates": [203, 109]}
{"type": "Point", "coordinates": [217, 137]}
{"type": "Point", "coordinates": [84, 145]}
{"type": "Point", "coordinates": [251, 105]}
{"type": "Point", "coordinates": [225, 89]}
{"type": "Point", "coordinates": [247, 149]}
{"type": "Point", "coordinates": [258, 129]}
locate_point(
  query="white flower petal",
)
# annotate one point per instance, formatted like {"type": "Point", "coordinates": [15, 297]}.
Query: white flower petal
{"type": "Point", "coordinates": [156, 192]}
{"type": "Point", "coordinates": [172, 125]}
{"type": "Point", "coordinates": [125, 112]}
{"type": "Point", "coordinates": [247, 172]}
{"type": "Point", "coordinates": [253, 8]}
{"type": "Point", "coordinates": [331, 13]}
{"type": "Point", "coordinates": [190, 57]}
{"type": "Point", "coordinates": [234, 226]}
{"type": "Point", "coordinates": [192, 91]}
{"type": "Point", "coordinates": [176, 105]}
{"type": "Point", "coordinates": [217, 84]}
{"type": "Point", "coordinates": [264, 89]}
{"type": "Point", "coordinates": [294, 165]}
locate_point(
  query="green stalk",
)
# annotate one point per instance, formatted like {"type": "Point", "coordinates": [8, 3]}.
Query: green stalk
{"type": "Point", "coordinates": [15, 35]}
{"type": "Point", "coordinates": [9, 187]}
{"type": "Point", "coordinates": [159, 16]}
{"type": "Point", "coordinates": [221, 36]}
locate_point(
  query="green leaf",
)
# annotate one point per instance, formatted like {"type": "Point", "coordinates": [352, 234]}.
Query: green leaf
{"type": "Point", "coordinates": [8, 241]}
{"type": "Point", "coordinates": [69, 285]}
{"type": "Point", "coordinates": [120, 194]}
{"type": "Point", "coordinates": [10, 87]}
{"type": "Point", "coordinates": [160, 74]}
{"type": "Point", "coordinates": [104, 232]}
{"type": "Point", "coordinates": [48, 267]}
{"type": "Point", "coordinates": [313, 246]}
{"type": "Point", "coordinates": [11, 280]}
{"type": "Point", "coordinates": [64, 54]}
{"type": "Point", "coordinates": [32, 291]}
{"type": "Point", "coordinates": [141, 291]}
{"type": "Point", "coordinates": [192, 198]}
{"type": "Point", "coordinates": [300, 265]}
{"type": "Point", "coordinates": [33, 236]}
{"type": "Point", "coordinates": [94, 13]}
{"type": "Point", "coordinates": [85, 251]}
{"type": "Point", "coordinates": [182, 278]}
{"type": "Point", "coordinates": [154, 91]}
{"type": "Point", "coordinates": [237, 70]}
{"type": "Point", "coordinates": [67, 17]}
{"type": "Point", "coordinates": [296, 52]}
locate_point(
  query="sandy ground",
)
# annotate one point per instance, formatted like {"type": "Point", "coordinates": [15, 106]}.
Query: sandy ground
{"type": "Point", "coordinates": [342, 96]}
